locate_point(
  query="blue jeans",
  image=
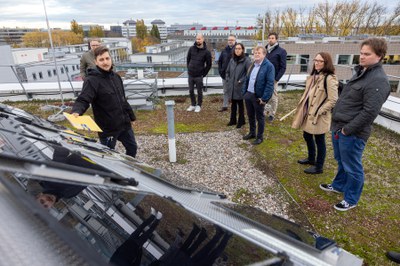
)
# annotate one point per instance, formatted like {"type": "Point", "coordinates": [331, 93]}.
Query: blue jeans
{"type": "Point", "coordinates": [127, 138]}
{"type": "Point", "coordinates": [349, 179]}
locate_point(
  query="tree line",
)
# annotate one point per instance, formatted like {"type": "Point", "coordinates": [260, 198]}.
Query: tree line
{"type": "Point", "coordinates": [341, 18]}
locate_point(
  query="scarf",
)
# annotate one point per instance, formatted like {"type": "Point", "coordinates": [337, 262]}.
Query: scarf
{"type": "Point", "coordinates": [270, 48]}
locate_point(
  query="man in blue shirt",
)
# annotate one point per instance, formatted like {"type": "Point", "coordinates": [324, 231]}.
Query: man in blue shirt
{"type": "Point", "coordinates": [257, 90]}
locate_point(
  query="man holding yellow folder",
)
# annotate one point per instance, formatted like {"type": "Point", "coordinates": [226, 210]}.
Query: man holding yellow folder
{"type": "Point", "coordinates": [104, 90]}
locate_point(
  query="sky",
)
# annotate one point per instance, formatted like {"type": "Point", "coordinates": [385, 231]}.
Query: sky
{"type": "Point", "coordinates": [30, 13]}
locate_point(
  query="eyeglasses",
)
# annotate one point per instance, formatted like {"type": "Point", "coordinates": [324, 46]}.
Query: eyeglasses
{"type": "Point", "coordinates": [318, 61]}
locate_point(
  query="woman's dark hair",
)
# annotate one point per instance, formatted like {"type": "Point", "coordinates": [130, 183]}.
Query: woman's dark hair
{"type": "Point", "coordinates": [328, 64]}
{"type": "Point", "coordinates": [235, 57]}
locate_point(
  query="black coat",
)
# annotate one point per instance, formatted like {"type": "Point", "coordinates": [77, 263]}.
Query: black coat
{"type": "Point", "coordinates": [278, 58]}
{"type": "Point", "coordinates": [223, 61]}
{"type": "Point", "coordinates": [105, 91]}
{"type": "Point", "coordinates": [198, 61]}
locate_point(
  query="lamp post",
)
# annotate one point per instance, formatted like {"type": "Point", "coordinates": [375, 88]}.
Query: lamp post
{"type": "Point", "coordinates": [58, 116]}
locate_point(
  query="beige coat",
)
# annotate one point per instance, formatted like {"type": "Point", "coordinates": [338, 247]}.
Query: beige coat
{"type": "Point", "coordinates": [317, 120]}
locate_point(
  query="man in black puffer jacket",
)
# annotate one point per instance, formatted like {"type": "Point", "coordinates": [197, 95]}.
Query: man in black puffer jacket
{"type": "Point", "coordinates": [198, 64]}
{"type": "Point", "coordinates": [104, 89]}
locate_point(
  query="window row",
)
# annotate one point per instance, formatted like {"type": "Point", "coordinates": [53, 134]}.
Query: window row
{"type": "Point", "coordinates": [53, 72]}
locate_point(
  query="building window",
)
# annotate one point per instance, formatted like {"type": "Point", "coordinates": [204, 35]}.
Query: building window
{"type": "Point", "coordinates": [304, 59]}
{"type": "Point", "coordinates": [344, 59]}
{"type": "Point", "coordinates": [66, 69]}
{"type": "Point", "coordinates": [73, 68]}
{"type": "Point", "coordinates": [62, 70]}
{"type": "Point", "coordinates": [40, 75]}
{"type": "Point", "coordinates": [291, 59]}
{"type": "Point", "coordinates": [49, 73]}
{"type": "Point", "coordinates": [356, 59]}
{"type": "Point", "coordinates": [34, 76]}
{"type": "Point", "coordinates": [54, 72]}
{"type": "Point", "coordinates": [77, 67]}
{"type": "Point", "coordinates": [392, 59]}
{"type": "Point", "coordinates": [149, 59]}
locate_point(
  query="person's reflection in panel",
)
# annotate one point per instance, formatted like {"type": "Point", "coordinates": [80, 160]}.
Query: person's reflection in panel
{"type": "Point", "coordinates": [47, 192]}
{"type": "Point", "coordinates": [130, 252]}
{"type": "Point", "coordinates": [187, 255]}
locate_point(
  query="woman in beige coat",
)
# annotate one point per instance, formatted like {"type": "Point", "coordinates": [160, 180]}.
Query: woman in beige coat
{"type": "Point", "coordinates": [313, 113]}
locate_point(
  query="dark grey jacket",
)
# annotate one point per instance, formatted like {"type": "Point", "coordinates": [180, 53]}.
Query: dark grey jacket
{"type": "Point", "coordinates": [235, 76]}
{"type": "Point", "coordinates": [360, 101]}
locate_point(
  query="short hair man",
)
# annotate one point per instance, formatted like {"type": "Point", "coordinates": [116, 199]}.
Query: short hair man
{"type": "Point", "coordinates": [104, 90]}
{"type": "Point", "coordinates": [355, 111]}
{"type": "Point", "coordinates": [223, 62]}
{"type": "Point", "coordinates": [277, 56]}
{"type": "Point", "coordinates": [198, 64]}
{"type": "Point", "coordinates": [257, 90]}
{"type": "Point", "coordinates": [87, 59]}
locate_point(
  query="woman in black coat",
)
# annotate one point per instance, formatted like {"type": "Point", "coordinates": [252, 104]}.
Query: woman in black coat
{"type": "Point", "coordinates": [235, 76]}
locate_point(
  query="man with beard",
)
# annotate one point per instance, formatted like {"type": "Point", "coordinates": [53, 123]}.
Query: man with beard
{"type": "Point", "coordinates": [198, 64]}
{"type": "Point", "coordinates": [104, 90]}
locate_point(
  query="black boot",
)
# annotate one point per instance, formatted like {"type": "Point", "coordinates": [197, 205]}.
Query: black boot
{"type": "Point", "coordinates": [306, 161]}
{"type": "Point", "coordinates": [393, 256]}
{"type": "Point", "coordinates": [313, 170]}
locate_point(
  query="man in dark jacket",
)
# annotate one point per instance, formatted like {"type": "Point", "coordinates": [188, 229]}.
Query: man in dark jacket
{"type": "Point", "coordinates": [277, 56]}
{"type": "Point", "coordinates": [355, 111]}
{"type": "Point", "coordinates": [198, 64]}
{"type": "Point", "coordinates": [257, 90]}
{"type": "Point", "coordinates": [104, 89]}
{"type": "Point", "coordinates": [223, 62]}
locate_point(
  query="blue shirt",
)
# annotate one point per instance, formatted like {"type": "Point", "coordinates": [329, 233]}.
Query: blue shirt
{"type": "Point", "coordinates": [253, 76]}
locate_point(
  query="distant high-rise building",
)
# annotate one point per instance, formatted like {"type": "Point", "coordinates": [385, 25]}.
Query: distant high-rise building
{"type": "Point", "coordinates": [129, 28]}
{"type": "Point", "coordinates": [13, 36]}
{"type": "Point", "coordinates": [116, 31]}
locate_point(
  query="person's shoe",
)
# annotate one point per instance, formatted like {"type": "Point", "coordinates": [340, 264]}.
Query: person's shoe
{"type": "Point", "coordinates": [231, 124]}
{"type": "Point", "coordinates": [239, 125]}
{"type": "Point", "coordinates": [191, 108]}
{"type": "Point", "coordinates": [328, 187]}
{"type": "Point", "coordinates": [197, 109]}
{"type": "Point", "coordinates": [270, 118]}
{"type": "Point", "coordinates": [249, 136]}
{"type": "Point", "coordinates": [158, 215]}
{"type": "Point", "coordinates": [313, 170]}
{"type": "Point", "coordinates": [344, 206]}
{"type": "Point", "coordinates": [257, 142]}
{"type": "Point", "coordinates": [223, 109]}
{"type": "Point", "coordinates": [306, 161]}
{"type": "Point", "coordinates": [393, 256]}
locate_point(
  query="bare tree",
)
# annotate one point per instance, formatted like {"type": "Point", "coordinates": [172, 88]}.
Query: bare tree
{"type": "Point", "coordinates": [307, 22]}
{"type": "Point", "coordinates": [289, 20]}
{"type": "Point", "coordinates": [348, 17]}
{"type": "Point", "coordinates": [328, 15]}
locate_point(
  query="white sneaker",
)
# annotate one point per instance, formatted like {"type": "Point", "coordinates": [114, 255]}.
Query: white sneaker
{"type": "Point", "coordinates": [191, 108]}
{"type": "Point", "coordinates": [198, 109]}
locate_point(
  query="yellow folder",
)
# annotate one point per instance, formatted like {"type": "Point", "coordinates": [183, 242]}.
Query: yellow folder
{"type": "Point", "coordinates": [83, 122]}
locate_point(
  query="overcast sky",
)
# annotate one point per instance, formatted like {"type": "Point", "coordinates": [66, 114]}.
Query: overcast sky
{"type": "Point", "coordinates": [30, 13]}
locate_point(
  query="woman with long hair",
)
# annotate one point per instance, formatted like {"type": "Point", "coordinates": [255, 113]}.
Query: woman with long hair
{"type": "Point", "coordinates": [313, 113]}
{"type": "Point", "coordinates": [235, 76]}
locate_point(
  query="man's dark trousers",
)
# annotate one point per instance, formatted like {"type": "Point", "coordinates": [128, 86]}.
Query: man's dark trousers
{"type": "Point", "coordinates": [127, 138]}
{"type": "Point", "coordinates": [255, 111]}
{"type": "Point", "coordinates": [198, 81]}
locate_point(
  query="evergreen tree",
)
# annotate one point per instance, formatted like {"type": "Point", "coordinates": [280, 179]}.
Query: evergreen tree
{"type": "Point", "coordinates": [155, 32]}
